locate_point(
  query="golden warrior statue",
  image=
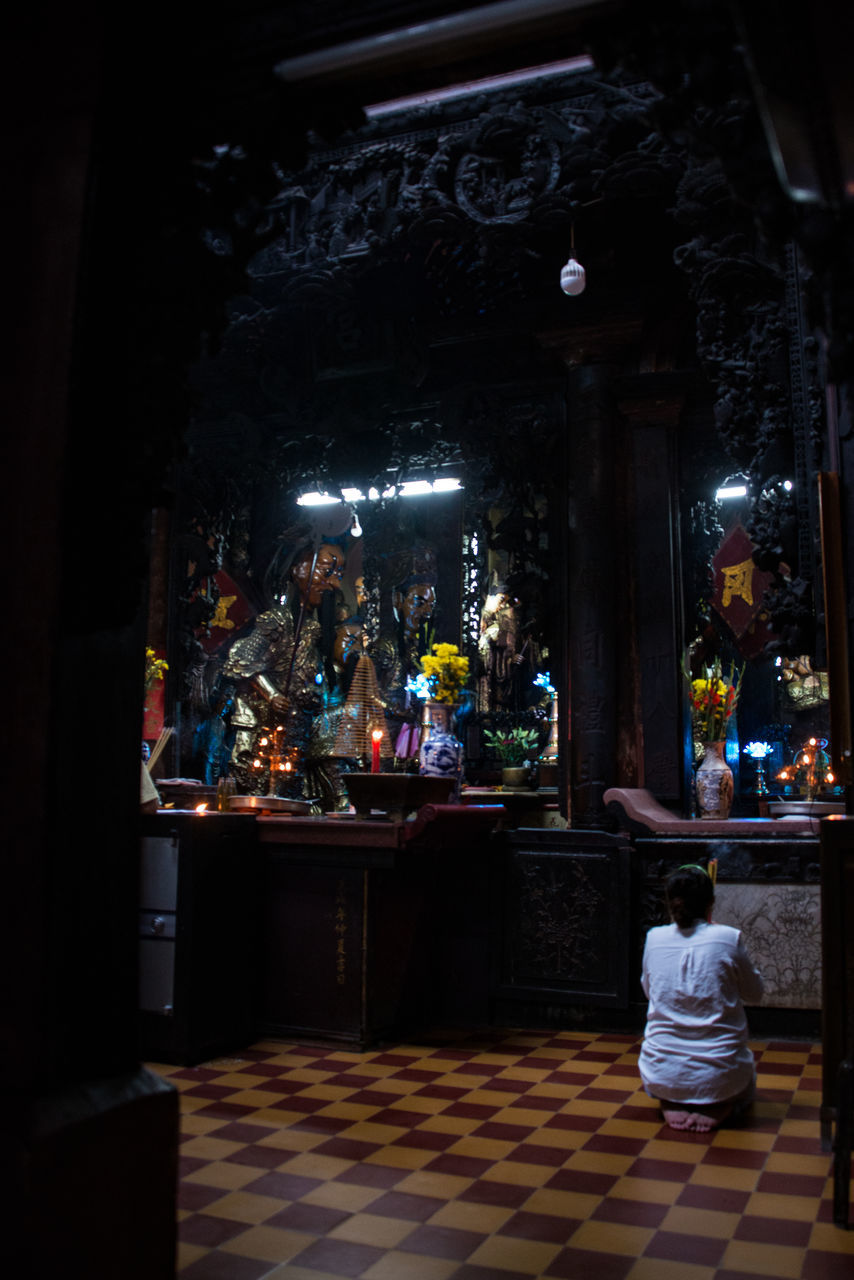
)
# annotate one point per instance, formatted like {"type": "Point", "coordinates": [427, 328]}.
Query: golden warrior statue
{"type": "Point", "coordinates": [275, 666]}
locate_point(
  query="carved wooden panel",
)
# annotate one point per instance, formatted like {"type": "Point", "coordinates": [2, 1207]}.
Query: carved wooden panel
{"type": "Point", "coordinates": [565, 915]}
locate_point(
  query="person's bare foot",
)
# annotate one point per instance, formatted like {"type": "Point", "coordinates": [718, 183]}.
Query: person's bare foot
{"type": "Point", "coordinates": [697, 1119]}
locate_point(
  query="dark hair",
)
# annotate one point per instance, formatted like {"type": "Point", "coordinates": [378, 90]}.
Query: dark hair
{"type": "Point", "coordinates": [689, 893]}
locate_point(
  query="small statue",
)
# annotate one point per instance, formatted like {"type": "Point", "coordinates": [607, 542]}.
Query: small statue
{"type": "Point", "coordinates": [213, 740]}
{"type": "Point", "coordinates": [275, 667]}
{"type": "Point", "coordinates": [325, 768]}
{"type": "Point", "coordinates": [348, 644]}
{"type": "Point", "coordinates": [413, 602]}
{"type": "Point", "coordinates": [806, 687]}
{"type": "Point", "coordinates": [497, 648]}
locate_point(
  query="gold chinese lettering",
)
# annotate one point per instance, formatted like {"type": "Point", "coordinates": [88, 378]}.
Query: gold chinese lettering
{"type": "Point", "coordinates": [221, 618]}
{"type": "Point", "coordinates": [738, 581]}
{"type": "Point", "coordinates": [339, 928]}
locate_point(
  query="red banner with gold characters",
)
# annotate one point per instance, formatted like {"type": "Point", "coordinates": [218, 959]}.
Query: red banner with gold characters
{"type": "Point", "coordinates": [232, 611]}
{"type": "Point", "coordinates": [739, 591]}
{"type": "Point", "coordinates": [153, 709]}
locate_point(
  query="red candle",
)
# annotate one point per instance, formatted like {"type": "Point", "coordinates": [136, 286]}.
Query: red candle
{"type": "Point", "coordinates": [376, 739]}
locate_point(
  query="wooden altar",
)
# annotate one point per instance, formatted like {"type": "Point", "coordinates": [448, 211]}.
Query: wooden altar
{"type": "Point", "coordinates": [769, 885]}
{"type": "Point", "coordinates": [373, 928]}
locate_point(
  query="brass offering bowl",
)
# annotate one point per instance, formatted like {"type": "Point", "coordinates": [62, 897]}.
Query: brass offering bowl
{"type": "Point", "coordinates": [395, 794]}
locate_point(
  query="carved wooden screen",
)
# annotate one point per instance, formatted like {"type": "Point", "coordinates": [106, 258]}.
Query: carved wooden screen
{"type": "Point", "coordinates": [565, 923]}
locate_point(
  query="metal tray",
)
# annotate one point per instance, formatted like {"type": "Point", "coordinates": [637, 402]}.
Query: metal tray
{"type": "Point", "coordinates": [804, 808]}
{"type": "Point", "coordinates": [268, 804]}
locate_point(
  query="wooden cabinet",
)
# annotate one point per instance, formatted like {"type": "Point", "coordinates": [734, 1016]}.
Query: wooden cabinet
{"type": "Point", "coordinates": [199, 951]}
{"type": "Point", "coordinates": [375, 929]}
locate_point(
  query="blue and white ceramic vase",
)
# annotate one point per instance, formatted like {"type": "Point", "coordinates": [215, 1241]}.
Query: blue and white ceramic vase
{"type": "Point", "coordinates": [441, 752]}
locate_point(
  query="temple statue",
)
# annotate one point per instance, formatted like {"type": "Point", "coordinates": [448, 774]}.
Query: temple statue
{"type": "Point", "coordinates": [413, 600]}
{"type": "Point", "coordinates": [325, 770]}
{"type": "Point", "coordinates": [498, 650]}
{"type": "Point", "coordinates": [274, 667]}
{"type": "Point", "coordinates": [348, 644]}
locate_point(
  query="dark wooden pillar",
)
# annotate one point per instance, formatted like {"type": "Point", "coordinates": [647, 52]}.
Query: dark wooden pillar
{"type": "Point", "coordinates": [594, 608]}
{"type": "Point", "coordinates": [651, 421]}
{"type": "Point", "coordinates": [87, 1135]}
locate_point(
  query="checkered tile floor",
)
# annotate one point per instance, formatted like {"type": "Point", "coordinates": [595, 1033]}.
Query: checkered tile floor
{"type": "Point", "coordinates": [500, 1157]}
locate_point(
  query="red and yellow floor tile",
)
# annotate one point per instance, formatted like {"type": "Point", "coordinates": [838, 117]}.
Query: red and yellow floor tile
{"type": "Point", "coordinates": [505, 1156]}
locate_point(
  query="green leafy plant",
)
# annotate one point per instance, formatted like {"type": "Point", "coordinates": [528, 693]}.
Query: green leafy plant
{"type": "Point", "coordinates": [512, 746]}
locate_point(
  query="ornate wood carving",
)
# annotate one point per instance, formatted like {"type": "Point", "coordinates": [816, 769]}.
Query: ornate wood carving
{"type": "Point", "coordinates": [459, 203]}
{"type": "Point", "coordinates": [557, 937]}
{"type": "Point", "coordinates": [402, 271]}
{"type": "Point", "coordinates": [566, 915]}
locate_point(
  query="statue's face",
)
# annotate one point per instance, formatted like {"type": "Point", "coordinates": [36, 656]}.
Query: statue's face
{"type": "Point", "coordinates": [417, 605]}
{"type": "Point", "coordinates": [326, 575]}
{"type": "Point", "coordinates": [497, 603]}
{"type": "Point", "coordinates": [348, 639]}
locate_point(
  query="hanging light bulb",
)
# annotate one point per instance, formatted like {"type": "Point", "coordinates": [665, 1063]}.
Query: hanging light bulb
{"type": "Point", "coordinates": [573, 277]}
{"type": "Point", "coordinates": [355, 527]}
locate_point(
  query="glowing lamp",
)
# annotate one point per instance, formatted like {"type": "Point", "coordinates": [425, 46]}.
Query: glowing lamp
{"type": "Point", "coordinates": [418, 685]}
{"type": "Point", "coordinates": [573, 278]}
{"type": "Point", "coordinates": [757, 752]}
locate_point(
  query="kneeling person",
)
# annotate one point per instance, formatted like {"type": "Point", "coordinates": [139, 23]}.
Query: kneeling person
{"type": "Point", "coordinates": [695, 1058]}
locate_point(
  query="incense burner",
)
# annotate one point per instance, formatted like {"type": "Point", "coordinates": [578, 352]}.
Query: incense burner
{"type": "Point", "coordinates": [395, 794]}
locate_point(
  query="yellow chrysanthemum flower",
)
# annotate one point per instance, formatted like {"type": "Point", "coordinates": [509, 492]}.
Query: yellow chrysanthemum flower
{"type": "Point", "coordinates": [446, 671]}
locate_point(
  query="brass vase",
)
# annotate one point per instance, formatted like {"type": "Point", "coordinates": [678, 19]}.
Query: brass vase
{"type": "Point", "coordinates": [714, 782]}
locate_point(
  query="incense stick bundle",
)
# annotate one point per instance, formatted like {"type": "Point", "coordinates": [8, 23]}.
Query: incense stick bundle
{"type": "Point", "coordinates": [362, 712]}
{"type": "Point", "coordinates": [165, 735]}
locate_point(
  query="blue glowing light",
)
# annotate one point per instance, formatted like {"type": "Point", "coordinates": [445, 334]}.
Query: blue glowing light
{"type": "Point", "coordinates": [544, 681]}
{"type": "Point", "coordinates": [757, 750]}
{"type": "Point", "coordinates": [418, 686]}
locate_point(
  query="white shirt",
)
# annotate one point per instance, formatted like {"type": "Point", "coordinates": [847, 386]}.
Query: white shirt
{"type": "Point", "coordinates": [695, 1044]}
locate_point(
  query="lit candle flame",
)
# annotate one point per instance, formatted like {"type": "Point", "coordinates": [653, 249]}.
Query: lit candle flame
{"type": "Point", "coordinates": [200, 808]}
{"type": "Point", "coordinates": [376, 735]}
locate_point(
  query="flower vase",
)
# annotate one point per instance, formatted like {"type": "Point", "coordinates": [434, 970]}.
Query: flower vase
{"type": "Point", "coordinates": [441, 752]}
{"type": "Point", "coordinates": [714, 782]}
